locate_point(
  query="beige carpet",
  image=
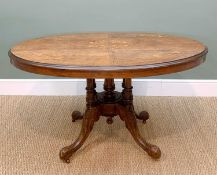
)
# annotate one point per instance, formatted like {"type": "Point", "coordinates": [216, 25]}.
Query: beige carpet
{"type": "Point", "coordinates": [33, 129]}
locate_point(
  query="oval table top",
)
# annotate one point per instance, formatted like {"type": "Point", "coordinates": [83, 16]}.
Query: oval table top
{"type": "Point", "coordinates": [108, 55]}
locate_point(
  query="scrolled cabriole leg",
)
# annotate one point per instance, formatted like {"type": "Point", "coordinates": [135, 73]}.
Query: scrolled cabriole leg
{"type": "Point", "coordinates": [87, 125]}
{"type": "Point", "coordinates": [90, 116]}
{"type": "Point", "coordinates": [131, 125]}
{"type": "Point", "coordinates": [128, 115]}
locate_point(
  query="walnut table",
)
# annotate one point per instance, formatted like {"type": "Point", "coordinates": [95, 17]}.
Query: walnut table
{"type": "Point", "coordinates": [109, 56]}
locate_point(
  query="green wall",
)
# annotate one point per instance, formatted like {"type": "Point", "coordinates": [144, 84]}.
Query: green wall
{"type": "Point", "coordinates": [25, 19]}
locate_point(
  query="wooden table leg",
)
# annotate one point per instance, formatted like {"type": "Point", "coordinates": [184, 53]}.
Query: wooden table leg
{"type": "Point", "coordinates": [91, 115]}
{"type": "Point", "coordinates": [131, 125]}
{"type": "Point", "coordinates": [87, 125]}
{"type": "Point", "coordinates": [127, 114]}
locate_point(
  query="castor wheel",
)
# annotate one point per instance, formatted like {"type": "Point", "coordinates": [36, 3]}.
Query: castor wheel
{"type": "Point", "coordinates": [76, 115]}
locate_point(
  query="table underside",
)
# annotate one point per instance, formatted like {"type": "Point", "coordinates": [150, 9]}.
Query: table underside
{"type": "Point", "coordinates": [109, 103]}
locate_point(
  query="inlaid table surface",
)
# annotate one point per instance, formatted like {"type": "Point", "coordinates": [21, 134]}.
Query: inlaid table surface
{"type": "Point", "coordinates": [109, 56]}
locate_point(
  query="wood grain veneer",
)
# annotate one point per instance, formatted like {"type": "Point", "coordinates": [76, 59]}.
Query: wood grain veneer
{"type": "Point", "coordinates": [108, 55]}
